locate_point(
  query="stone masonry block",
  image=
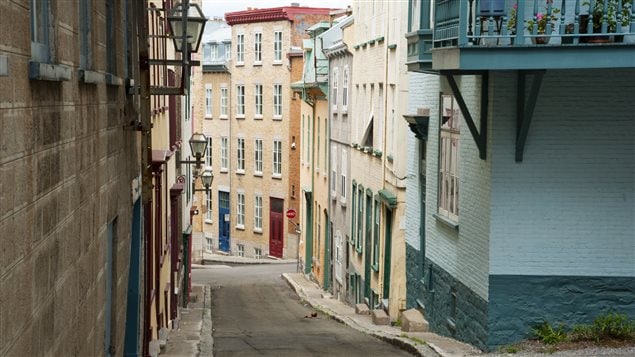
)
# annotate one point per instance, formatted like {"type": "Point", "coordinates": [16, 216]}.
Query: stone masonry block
{"type": "Point", "coordinates": [380, 317]}
{"type": "Point", "coordinates": [412, 321]}
{"type": "Point", "coordinates": [362, 309]}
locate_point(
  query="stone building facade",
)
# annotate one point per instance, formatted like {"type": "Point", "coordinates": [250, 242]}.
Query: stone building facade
{"type": "Point", "coordinates": [69, 164]}
{"type": "Point", "coordinates": [258, 146]}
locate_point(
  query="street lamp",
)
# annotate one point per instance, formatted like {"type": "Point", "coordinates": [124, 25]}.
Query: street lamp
{"type": "Point", "coordinates": [207, 177]}
{"type": "Point", "coordinates": [198, 145]}
{"type": "Point", "coordinates": [188, 23]}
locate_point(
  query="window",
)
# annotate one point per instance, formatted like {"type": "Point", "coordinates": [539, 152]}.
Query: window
{"type": "Point", "coordinates": [208, 203]}
{"type": "Point", "coordinates": [334, 84]}
{"type": "Point", "coordinates": [208, 101]}
{"type": "Point", "coordinates": [223, 102]}
{"type": "Point", "coordinates": [317, 161]}
{"type": "Point", "coordinates": [343, 175]}
{"type": "Point", "coordinates": [111, 57]}
{"type": "Point", "coordinates": [40, 30]}
{"type": "Point", "coordinates": [214, 54]}
{"type": "Point", "coordinates": [228, 51]}
{"type": "Point", "coordinates": [240, 101]}
{"type": "Point", "coordinates": [258, 213]}
{"type": "Point", "coordinates": [241, 250]}
{"type": "Point", "coordinates": [353, 215]}
{"type": "Point", "coordinates": [277, 158]}
{"type": "Point", "coordinates": [240, 49]}
{"type": "Point", "coordinates": [258, 157]}
{"type": "Point", "coordinates": [360, 217]}
{"type": "Point", "coordinates": [277, 101]}
{"type": "Point", "coordinates": [277, 46]}
{"type": "Point", "coordinates": [257, 253]}
{"type": "Point", "coordinates": [241, 156]}
{"type": "Point", "coordinates": [258, 97]}
{"type": "Point", "coordinates": [376, 237]}
{"type": "Point", "coordinates": [209, 244]}
{"type": "Point", "coordinates": [223, 154]}
{"type": "Point", "coordinates": [369, 220]}
{"type": "Point", "coordinates": [85, 57]}
{"type": "Point", "coordinates": [448, 159]}
{"type": "Point", "coordinates": [333, 172]}
{"type": "Point", "coordinates": [345, 89]}
{"type": "Point", "coordinates": [208, 154]}
{"type": "Point", "coordinates": [258, 48]}
{"type": "Point", "coordinates": [240, 211]}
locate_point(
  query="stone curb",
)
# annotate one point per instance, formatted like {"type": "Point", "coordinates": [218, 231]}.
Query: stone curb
{"type": "Point", "coordinates": [406, 344]}
{"type": "Point", "coordinates": [206, 347]}
{"type": "Point", "coordinates": [239, 260]}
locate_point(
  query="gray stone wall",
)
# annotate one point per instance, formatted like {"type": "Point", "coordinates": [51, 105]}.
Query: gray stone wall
{"type": "Point", "coordinates": [463, 317]}
{"type": "Point", "coordinates": [414, 274]}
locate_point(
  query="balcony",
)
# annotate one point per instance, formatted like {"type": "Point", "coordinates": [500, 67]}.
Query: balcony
{"type": "Point", "coordinates": [477, 35]}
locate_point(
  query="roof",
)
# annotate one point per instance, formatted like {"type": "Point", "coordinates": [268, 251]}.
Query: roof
{"type": "Point", "coordinates": [272, 14]}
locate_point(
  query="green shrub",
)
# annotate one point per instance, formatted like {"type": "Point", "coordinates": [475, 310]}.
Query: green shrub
{"type": "Point", "coordinates": [614, 325]}
{"type": "Point", "coordinates": [549, 335]}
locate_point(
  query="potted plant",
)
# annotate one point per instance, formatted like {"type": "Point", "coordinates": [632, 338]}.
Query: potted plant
{"type": "Point", "coordinates": [511, 22]}
{"type": "Point", "coordinates": [541, 22]}
{"type": "Point", "coordinates": [625, 21]}
{"type": "Point", "coordinates": [612, 11]}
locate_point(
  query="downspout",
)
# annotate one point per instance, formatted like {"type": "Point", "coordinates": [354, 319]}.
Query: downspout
{"type": "Point", "coordinates": [382, 257]}
{"type": "Point", "coordinates": [157, 246]}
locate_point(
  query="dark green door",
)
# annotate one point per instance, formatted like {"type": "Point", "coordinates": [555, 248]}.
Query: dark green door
{"type": "Point", "coordinates": [387, 254]}
{"type": "Point", "coordinates": [367, 245]}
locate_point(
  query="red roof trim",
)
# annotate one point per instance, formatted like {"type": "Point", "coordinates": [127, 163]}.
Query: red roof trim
{"type": "Point", "coordinates": [272, 14]}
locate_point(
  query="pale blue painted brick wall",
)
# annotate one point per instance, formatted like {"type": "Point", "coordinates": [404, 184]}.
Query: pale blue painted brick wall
{"type": "Point", "coordinates": [464, 255]}
{"type": "Point", "coordinates": [568, 208]}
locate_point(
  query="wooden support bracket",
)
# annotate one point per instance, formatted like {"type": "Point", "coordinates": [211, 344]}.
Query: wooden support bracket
{"type": "Point", "coordinates": [525, 109]}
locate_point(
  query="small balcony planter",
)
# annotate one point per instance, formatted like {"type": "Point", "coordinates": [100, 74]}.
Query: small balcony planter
{"type": "Point", "coordinates": [377, 153]}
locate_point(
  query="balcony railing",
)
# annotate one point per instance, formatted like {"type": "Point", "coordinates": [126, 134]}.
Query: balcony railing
{"type": "Point", "coordinates": [519, 23]}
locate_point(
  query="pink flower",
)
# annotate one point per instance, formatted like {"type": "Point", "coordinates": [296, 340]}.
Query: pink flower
{"type": "Point", "coordinates": [515, 6]}
{"type": "Point", "coordinates": [539, 16]}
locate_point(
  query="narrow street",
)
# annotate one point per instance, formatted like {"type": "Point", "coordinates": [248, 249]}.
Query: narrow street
{"type": "Point", "coordinates": [255, 313]}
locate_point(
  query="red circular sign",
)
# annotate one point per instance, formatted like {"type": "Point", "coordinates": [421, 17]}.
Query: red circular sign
{"type": "Point", "coordinates": [291, 213]}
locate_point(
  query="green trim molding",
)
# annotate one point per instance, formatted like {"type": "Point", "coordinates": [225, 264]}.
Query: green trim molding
{"type": "Point", "coordinates": [380, 39]}
{"type": "Point", "coordinates": [387, 197]}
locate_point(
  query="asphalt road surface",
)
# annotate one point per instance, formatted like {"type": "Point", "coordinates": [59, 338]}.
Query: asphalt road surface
{"type": "Point", "coordinates": [255, 313]}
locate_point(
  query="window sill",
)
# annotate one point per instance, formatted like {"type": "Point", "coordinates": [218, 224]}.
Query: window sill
{"type": "Point", "coordinates": [344, 110]}
{"type": "Point", "coordinates": [240, 64]}
{"type": "Point", "coordinates": [258, 174]}
{"type": "Point", "coordinates": [224, 117]}
{"type": "Point", "coordinates": [277, 63]}
{"type": "Point", "coordinates": [240, 116]}
{"type": "Point", "coordinates": [258, 117]}
{"type": "Point", "coordinates": [208, 117]}
{"type": "Point", "coordinates": [358, 250]}
{"type": "Point", "coordinates": [258, 64]}
{"type": "Point", "coordinates": [446, 221]}
{"type": "Point", "coordinates": [258, 230]}
{"type": "Point", "coordinates": [240, 172]}
{"type": "Point", "coordinates": [277, 176]}
{"type": "Point", "coordinates": [333, 195]}
{"type": "Point", "coordinates": [208, 221]}
{"type": "Point", "coordinates": [240, 227]}
{"type": "Point", "coordinates": [49, 72]}
{"type": "Point", "coordinates": [375, 267]}
{"type": "Point", "coordinates": [277, 117]}
{"type": "Point", "coordinates": [343, 201]}
{"type": "Point", "coordinates": [90, 77]}
{"type": "Point", "coordinates": [113, 80]}
{"type": "Point", "coordinates": [224, 171]}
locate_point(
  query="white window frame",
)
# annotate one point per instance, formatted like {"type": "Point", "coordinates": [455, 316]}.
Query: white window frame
{"type": "Point", "coordinates": [449, 149]}
{"type": "Point", "coordinates": [208, 101]}
{"type": "Point", "coordinates": [277, 159]}
{"type": "Point", "coordinates": [258, 213]}
{"type": "Point", "coordinates": [208, 154]}
{"type": "Point", "coordinates": [334, 88]}
{"type": "Point", "coordinates": [240, 156]}
{"type": "Point", "coordinates": [223, 102]}
{"type": "Point", "coordinates": [277, 101]}
{"type": "Point", "coordinates": [228, 51]}
{"type": "Point", "coordinates": [258, 49]}
{"type": "Point", "coordinates": [257, 253]}
{"type": "Point", "coordinates": [240, 210]}
{"type": "Point", "coordinates": [240, 101]}
{"type": "Point", "coordinates": [209, 244]}
{"type": "Point", "coordinates": [345, 89]}
{"type": "Point", "coordinates": [343, 177]}
{"type": "Point", "coordinates": [258, 101]}
{"type": "Point", "coordinates": [333, 172]}
{"type": "Point", "coordinates": [258, 150]}
{"type": "Point", "coordinates": [241, 250]}
{"type": "Point", "coordinates": [277, 47]}
{"type": "Point", "coordinates": [214, 52]}
{"type": "Point", "coordinates": [224, 149]}
{"type": "Point", "coordinates": [240, 49]}
{"type": "Point", "coordinates": [208, 202]}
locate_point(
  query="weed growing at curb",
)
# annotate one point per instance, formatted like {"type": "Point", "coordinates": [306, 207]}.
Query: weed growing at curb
{"type": "Point", "coordinates": [414, 339]}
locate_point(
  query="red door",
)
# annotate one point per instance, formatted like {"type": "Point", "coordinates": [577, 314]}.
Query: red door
{"type": "Point", "coordinates": [276, 242]}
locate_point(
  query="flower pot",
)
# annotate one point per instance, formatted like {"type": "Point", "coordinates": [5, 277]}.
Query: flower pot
{"type": "Point", "coordinates": [542, 40]}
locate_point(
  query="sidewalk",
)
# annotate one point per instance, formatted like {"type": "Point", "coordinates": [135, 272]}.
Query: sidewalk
{"type": "Point", "coordinates": [231, 259]}
{"type": "Point", "coordinates": [420, 343]}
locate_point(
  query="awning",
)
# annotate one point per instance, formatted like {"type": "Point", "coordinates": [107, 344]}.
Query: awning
{"type": "Point", "coordinates": [388, 198]}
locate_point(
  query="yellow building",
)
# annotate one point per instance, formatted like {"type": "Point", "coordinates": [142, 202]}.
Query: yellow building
{"type": "Point", "coordinates": [255, 154]}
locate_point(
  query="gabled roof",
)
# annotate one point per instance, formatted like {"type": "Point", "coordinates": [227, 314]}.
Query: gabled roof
{"type": "Point", "coordinates": [272, 14]}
